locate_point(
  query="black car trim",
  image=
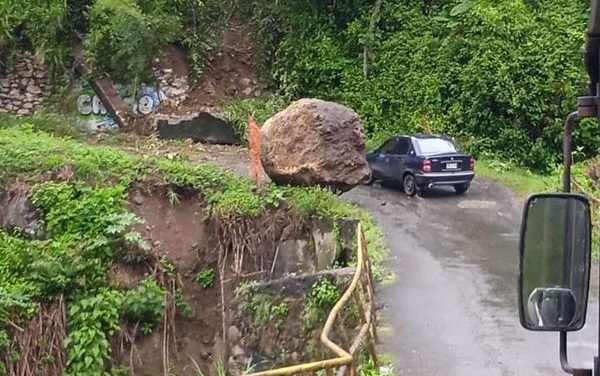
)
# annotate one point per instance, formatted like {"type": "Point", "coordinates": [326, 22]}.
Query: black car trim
{"type": "Point", "coordinates": [445, 174]}
{"type": "Point", "coordinates": [453, 182]}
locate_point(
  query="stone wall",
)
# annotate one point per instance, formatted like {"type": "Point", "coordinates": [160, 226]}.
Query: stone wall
{"type": "Point", "coordinates": [264, 337]}
{"type": "Point", "coordinates": [24, 85]}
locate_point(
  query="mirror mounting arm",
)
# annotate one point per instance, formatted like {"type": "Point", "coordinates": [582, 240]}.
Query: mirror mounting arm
{"type": "Point", "coordinates": [568, 149]}
{"type": "Point", "coordinates": [564, 362]}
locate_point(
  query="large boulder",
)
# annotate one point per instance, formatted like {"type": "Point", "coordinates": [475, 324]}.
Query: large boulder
{"type": "Point", "coordinates": [314, 142]}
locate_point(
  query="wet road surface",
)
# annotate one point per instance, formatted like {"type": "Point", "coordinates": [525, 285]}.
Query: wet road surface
{"type": "Point", "coordinates": [452, 308]}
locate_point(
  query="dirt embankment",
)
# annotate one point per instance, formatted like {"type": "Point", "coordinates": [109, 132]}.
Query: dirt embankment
{"type": "Point", "coordinates": [204, 324]}
{"type": "Point", "coordinates": [232, 70]}
{"type": "Point", "coordinates": [178, 235]}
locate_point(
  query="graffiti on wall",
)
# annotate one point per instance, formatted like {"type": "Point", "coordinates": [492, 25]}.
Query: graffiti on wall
{"type": "Point", "coordinates": [94, 115]}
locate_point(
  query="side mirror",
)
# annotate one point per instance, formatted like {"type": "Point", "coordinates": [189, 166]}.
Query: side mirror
{"type": "Point", "coordinates": [554, 262]}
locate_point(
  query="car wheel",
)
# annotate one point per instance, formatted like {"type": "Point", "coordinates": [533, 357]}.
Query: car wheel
{"type": "Point", "coordinates": [371, 179]}
{"type": "Point", "coordinates": [410, 185]}
{"type": "Point", "coordinates": [461, 189]}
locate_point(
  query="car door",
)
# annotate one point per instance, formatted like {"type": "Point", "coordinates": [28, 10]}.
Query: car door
{"type": "Point", "coordinates": [380, 160]}
{"type": "Point", "coordinates": [398, 159]}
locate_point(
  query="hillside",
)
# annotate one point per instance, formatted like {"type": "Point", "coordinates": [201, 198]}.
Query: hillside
{"type": "Point", "coordinates": [498, 75]}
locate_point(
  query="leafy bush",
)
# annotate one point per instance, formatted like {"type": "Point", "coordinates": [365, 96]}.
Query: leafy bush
{"type": "Point", "coordinates": [317, 305]}
{"type": "Point", "coordinates": [324, 294]}
{"type": "Point", "coordinates": [145, 304]}
{"type": "Point", "coordinates": [192, 23]}
{"type": "Point", "coordinates": [92, 320]}
{"type": "Point", "coordinates": [206, 277]}
{"type": "Point", "coordinates": [39, 23]}
{"type": "Point", "coordinates": [122, 40]}
{"type": "Point", "coordinates": [78, 209]}
{"type": "Point", "coordinates": [262, 307]}
{"type": "Point", "coordinates": [123, 36]}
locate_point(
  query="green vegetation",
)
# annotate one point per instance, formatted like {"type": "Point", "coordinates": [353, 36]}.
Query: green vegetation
{"type": "Point", "coordinates": [261, 307]}
{"type": "Point", "coordinates": [498, 75]}
{"type": "Point", "coordinates": [43, 24]}
{"type": "Point", "coordinates": [125, 36]}
{"type": "Point", "coordinates": [206, 277]}
{"type": "Point", "coordinates": [237, 111]}
{"type": "Point", "coordinates": [122, 37]}
{"type": "Point", "coordinates": [369, 369]}
{"type": "Point", "coordinates": [519, 179]}
{"type": "Point", "coordinates": [121, 40]}
{"type": "Point", "coordinates": [92, 320]}
{"type": "Point", "coordinates": [31, 154]}
{"type": "Point", "coordinates": [51, 123]}
{"type": "Point", "coordinates": [80, 192]}
{"type": "Point", "coordinates": [323, 295]}
{"type": "Point", "coordinates": [145, 304]}
{"type": "Point", "coordinates": [86, 227]}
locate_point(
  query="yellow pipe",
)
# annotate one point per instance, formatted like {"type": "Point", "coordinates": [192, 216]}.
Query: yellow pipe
{"type": "Point", "coordinates": [344, 358]}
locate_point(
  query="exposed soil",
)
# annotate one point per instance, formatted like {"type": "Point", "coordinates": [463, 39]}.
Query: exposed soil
{"type": "Point", "coordinates": [173, 57]}
{"type": "Point", "coordinates": [177, 232]}
{"type": "Point", "coordinates": [175, 229]}
{"type": "Point", "coordinates": [232, 70]}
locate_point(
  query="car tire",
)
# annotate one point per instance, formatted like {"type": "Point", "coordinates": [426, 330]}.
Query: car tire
{"type": "Point", "coordinates": [461, 189]}
{"type": "Point", "coordinates": [410, 185]}
{"type": "Point", "coordinates": [371, 179]}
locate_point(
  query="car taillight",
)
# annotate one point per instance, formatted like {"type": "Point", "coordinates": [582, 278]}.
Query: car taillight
{"type": "Point", "coordinates": [472, 164]}
{"type": "Point", "coordinates": [427, 165]}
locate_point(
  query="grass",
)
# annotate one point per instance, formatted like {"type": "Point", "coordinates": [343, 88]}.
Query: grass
{"type": "Point", "coordinates": [54, 124]}
{"type": "Point", "coordinates": [520, 180]}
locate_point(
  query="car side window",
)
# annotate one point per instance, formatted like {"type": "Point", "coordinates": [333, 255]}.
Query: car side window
{"type": "Point", "coordinates": [402, 147]}
{"type": "Point", "coordinates": [388, 147]}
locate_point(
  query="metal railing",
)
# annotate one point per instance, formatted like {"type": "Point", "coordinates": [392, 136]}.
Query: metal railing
{"type": "Point", "coordinates": [360, 292]}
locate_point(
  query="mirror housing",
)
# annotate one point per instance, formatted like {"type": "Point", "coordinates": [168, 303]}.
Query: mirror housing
{"type": "Point", "coordinates": [592, 49]}
{"type": "Point", "coordinates": [554, 262]}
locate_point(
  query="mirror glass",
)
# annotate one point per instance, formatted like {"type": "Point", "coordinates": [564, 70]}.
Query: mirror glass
{"type": "Point", "coordinates": [555, 251]}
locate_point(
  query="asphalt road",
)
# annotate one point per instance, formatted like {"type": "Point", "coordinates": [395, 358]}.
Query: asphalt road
{"type": "Point", "coordinates": [452, 308]}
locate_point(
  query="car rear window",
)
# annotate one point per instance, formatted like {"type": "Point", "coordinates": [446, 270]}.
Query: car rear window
{"type": "Point", "coordinates": [436, 146]}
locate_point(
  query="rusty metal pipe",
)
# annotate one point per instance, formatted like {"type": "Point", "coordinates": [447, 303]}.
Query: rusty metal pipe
{"type": "Point", "coordinates": [568, 150]}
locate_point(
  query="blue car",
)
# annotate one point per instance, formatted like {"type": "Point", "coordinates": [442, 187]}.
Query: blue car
{"type": "Point", "coordinates": [422, 161]}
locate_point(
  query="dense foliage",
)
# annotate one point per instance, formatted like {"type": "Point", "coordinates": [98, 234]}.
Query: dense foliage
{"type": "Point", "coordinates": [42, 24]}
{"type": "Point", "coordinates": [121, 37]}
{"type": "Point", "coordinates": [499, 75]}
{"type": "Point", "coordinates": [125, 36]}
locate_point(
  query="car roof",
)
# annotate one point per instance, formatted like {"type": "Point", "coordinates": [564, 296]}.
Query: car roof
{"type": "Point", "coordinates": [426, 135]}
{"type": "Point", "coordinates": [423, 136]}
